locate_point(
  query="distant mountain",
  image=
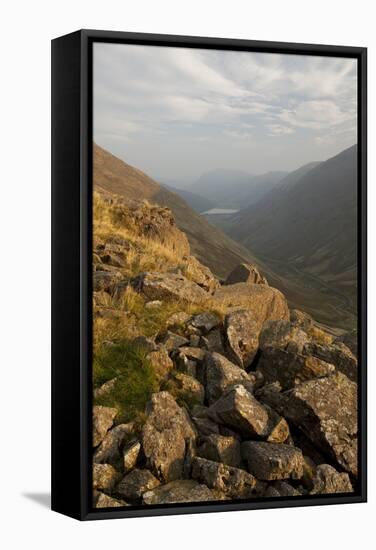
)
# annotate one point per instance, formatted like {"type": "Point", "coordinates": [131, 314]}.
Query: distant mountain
{"type": "Point", "coordinates": [212, 247]}
{"type": "Point", "coordinates": [307, 226]}
{"type": "Point", "coordinates": [234, 188]}
{"type": "Point", "coordinates": [195, 201]}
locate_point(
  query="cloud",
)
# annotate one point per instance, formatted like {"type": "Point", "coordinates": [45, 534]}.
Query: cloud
{"type": "Point", "coordinates": [161, 97]}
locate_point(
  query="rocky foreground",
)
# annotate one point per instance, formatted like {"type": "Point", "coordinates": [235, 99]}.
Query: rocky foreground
{"type": "Point", "coordinates": [248, 399]}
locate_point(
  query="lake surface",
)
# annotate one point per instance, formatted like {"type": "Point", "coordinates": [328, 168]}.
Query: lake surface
{"type": "Point", "coordinates": [215, 211]}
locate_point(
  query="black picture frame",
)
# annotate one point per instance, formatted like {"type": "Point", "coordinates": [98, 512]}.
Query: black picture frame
{"type": "Point", "coordinates": [71, 270]}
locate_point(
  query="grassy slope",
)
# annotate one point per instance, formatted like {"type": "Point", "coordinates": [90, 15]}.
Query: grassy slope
{"type": "Point", "coordinates": [208, 243]}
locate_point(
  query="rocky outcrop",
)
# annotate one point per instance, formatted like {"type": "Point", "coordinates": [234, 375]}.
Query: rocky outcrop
{"type": "Point", "coordinates": [170, 286]}
{"type": "Point", "coordinates": [326, 412]}
{"type": "Point", "coordinates": [243, 399]}
{"type": "Point", "coordinates": [245, 273]}
{"type": "Point", "coordinates": [165, 436]}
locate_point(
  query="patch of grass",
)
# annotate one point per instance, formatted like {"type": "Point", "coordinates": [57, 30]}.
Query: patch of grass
{"type": "Point", "coordinates": [136, 379]}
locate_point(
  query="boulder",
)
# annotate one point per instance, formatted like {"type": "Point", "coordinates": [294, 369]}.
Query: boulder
{"type": "Point", "coordinates": [233, 482]}
{"type": "Point", "coordinates": [205, 426]}
{"type": "Point", "coordinates": [182, 490]}
{"type": "Point", "coordinates": [169, 286]}
{"type": "Point", "coordinates": [220, 449]}
{"type": "Point", "coordinates": [327, 481]}
{"type": "Point", "coordinates": [130, 455]}
{"type": "Point", "coordinates": [291, 369]}
{"type": "Point", "coordinates": [200, 274]}
{"type": "Point", "coordinates": [185, 365]}
{"type": "Point", "coordinates": [242, 333]}
{"type": "Point", "coordinates": [325, 410]}
{"type": "Point", "coordinates": [194, 354]}
{"type": "Point", "coordinates": [339, 355]}
{"type": "Point", "coordinates": [172, 341]}
{"type": "Point", "coordinates": [103, 418]}
{"type": "Point", "coordinates": [165, 435]}
{"type": "Point", "coordinates": [154, 304]}
{"type": "Point", "coordinates": [271, 461]}
{"type": "Point", "coordinates": [262, 301]}
{"type": "Point", "coordinates": [104, 477]}
{"type": "Point", "coordinates": [135, 484]}
{"type": "Point", "coordinates": [205, 321]}
{"type": "Point", "coordinates": [104, 501]}
{"type": "Point", "coordinates": [213, 341]}
{"type": "Point", "coordinates": [145, 344]}
{"type": "Point", "coordinates": [178, 319]}
{"type": "Point", "coordinates": [109, 451]}
{"type": "Point", "coordinates": [221, 374]}
{"type": "Point", "coordinates": [194, 340]}
{"type": "Point", "coordinates": [245, 273]}
{"type": "Point", "coordinates": [239, 410]}
{"type": "Point", "coordinates": [282, 334]}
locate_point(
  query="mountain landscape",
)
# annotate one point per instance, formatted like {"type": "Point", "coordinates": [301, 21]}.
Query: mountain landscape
{"type": "Point", "coordinates": [208, 385]}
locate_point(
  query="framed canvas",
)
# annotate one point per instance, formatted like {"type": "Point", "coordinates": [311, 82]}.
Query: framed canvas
{"type": "Point", "coordinates": [208, 274]}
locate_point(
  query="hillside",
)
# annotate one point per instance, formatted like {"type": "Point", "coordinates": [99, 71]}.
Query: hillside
{"type": "Point", "coordinates": [194, 200]}
{"type": "Point", "coordinates": [209, 244]}
{"type": "Point", "coordinates": [203, 391]}
{"type": "Point", "coordinates": [235, 188]}
{"type": "Point", "coordinates": [305, 229]}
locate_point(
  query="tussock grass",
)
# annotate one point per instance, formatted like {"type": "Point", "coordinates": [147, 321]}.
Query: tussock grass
{"type": "Point", "coordinates": [135, 379]}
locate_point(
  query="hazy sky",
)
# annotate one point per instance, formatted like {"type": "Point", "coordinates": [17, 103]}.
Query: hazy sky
{"type": "Point", "coordinates": [178, 112]}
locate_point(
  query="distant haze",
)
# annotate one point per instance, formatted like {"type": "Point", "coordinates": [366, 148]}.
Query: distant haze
{"type": "Point", "coordinates": [177, 113]}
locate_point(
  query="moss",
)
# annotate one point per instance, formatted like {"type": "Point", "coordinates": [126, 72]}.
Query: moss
{"type": "Point", "coordinates": [136, 379]}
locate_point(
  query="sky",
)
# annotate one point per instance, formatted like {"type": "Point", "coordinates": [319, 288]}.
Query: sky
{"type": "Point", "coordinates": [177, 113]}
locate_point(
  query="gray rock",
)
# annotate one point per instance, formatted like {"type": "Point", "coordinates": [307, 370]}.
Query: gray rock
{"type": "Point", "coordinates": [350, 339]}
{"type": "Point", "coordinates": [173, 341]}
{"type": "Point", "coordinates": [233, 482]}
{"type": "Point", "coordinates": [194, 340]}
{"type": "Point", "coordinates": [178, 319]}
{"type": "Point", "coordinates": [130, 455]}
{"type": "Point", "coordinates": [221, 374]}
{"type": "Point", "coordinates": [262, 301]}
{"type": "Point", "coordinates": [109, 451]}
{"type": "Point", "coordinates": [103, 418]}
{"type": "Point", "coordinates": [246, 273]}
{"type": "Point", "coordinates": [104, 477]}
{"type": "Point", "coordinates": [282, 334]}
{"type": "Point", "coordinates": [144, 343]}
{"type": "Point", "coordinates": [221, 449]}
{"type": "Point", "coordinates": [167, 286]}
{"type": "Point", "coordinates": [182, 490]}
{"type": "Point", "coordinates": [239, 410]}
{"type": "Point", "coordinates": [271, 461]}
{"type": "Point", "coordinates": [205, 321]}
{"type": "Point", "coordinates": [301, 319]}
{"type": "Point", "coordinates": [339, 355]}
{"type": "Point", "coordinates": [164, 436]}
{"type": "Point", "coordinates": [242, 337]}
{"type": "Point", "coordinates": [154, 304]}
{"type": "Point", "coordinates": [161, 362]}
{"type": "Point", "coordinates": [325, 410]}
{"type": "Point", "coordinates": [205, 426]}
{"type": "Point", "coordinates": [106, 280]}
{"type": "Point", "coordinates": [213, 341]}
{"type": "Point", "coordinates": [281, 489]}
{"type": "Point", "coordinates": [185, 365]}
{"type": "Point", "coordinates": [104, 501]}
{"type": "Point", "coordinates": [135, 484]}
{"type": "Point", "coordinates": [327, 481]}
{"type": "Point", "coordinates": [291, 369]}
